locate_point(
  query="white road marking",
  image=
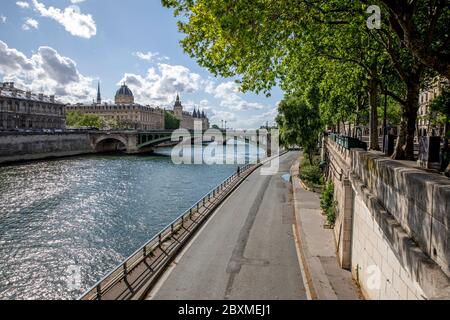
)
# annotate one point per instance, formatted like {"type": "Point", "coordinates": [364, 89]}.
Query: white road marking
{"type": "Point", "coordinates": [300, 262]}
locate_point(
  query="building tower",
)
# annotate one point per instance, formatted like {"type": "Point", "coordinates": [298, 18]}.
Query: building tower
{"type": "Point", "coordinates": [178, 108]}
{"type": "Point", "coordinates": [99, 96]}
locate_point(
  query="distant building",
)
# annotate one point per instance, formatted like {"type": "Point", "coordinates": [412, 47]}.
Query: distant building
{"type": "Point", "coordinates": [25, 110]}
{"type": "Point", "coordinates": [187, 119]}
{"type": "Point", "coordinates": [426, 98]}
{"type": "Point", "coordinates": [125, 111]}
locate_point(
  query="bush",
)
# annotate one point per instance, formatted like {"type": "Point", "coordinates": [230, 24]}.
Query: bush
{"type": "Point", "coordinates": [311, 174]}
{"type": "Point", "coordinates": [327, 203]}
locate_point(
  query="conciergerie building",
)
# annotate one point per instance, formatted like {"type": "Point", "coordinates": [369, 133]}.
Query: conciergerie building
{"type": "Point", "coordinates": [139, 117]}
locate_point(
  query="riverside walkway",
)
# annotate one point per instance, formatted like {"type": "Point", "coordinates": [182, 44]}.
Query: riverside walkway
{"type": "Point", "coordinates": [246, 250]}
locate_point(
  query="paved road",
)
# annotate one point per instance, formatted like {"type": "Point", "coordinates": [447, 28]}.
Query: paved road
{"type": "Point", "coordinates": [245, 251]}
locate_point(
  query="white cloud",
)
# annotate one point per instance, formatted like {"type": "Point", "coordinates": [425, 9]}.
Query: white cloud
{"type": "Point", "coordinates": [219, 115]}
{"type": "Point", "coordinates": [45, 71]}
{"type": "Point", "coordinates": [228, 93]}
{"type": "Point", "coordinates": [2, 19]}
{"type": "Point", "coordinates": [77, 1]}
{"type": "Point", "coordinates": [159, 86]}
{"type": "Point", "coordinates": [149, 56]}
{"type": "Point", "coordinates": [30, 23]}
{"type": "Point", "coordinates": [75, 22]}
{"type": "Point", "coordinates": [23, 4]}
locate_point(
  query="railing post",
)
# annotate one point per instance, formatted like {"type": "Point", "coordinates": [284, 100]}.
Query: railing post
{"type": "Point", "coordinates": [171, 227]}
{"type": "Point", "coordinates": [145, 251]}
{"type": "Point", "coordinates": [125, 271]}
{"type": "Point", "coordinates": [159, 239]}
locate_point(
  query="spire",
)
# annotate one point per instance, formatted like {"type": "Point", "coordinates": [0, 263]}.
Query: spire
{"type": "Point", "coordinates": [178, 97]}
{"type": "Point", "coordinates": [99, 96]}
{"type": "Point", "coordinates": [195, 113]}
{"type": "Point", "coordinates": [203, 114]}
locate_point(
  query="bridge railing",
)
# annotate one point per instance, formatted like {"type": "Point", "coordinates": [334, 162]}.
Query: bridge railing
{"type": "Point", "coordinates": [159, 249]}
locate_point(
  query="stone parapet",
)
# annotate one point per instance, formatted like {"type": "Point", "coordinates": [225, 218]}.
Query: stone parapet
{"type": "Point", "coordinates": [396, 219]}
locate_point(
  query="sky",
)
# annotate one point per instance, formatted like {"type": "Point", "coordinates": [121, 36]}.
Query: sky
{"type": "Point", "coordinates": [65, 47]}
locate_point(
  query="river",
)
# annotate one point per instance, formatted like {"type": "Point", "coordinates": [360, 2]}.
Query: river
{"type": "Point", "coordinates": [87, 214]}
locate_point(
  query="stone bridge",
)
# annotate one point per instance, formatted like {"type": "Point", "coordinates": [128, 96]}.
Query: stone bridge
{"type": "Point", "coordinates": [133, 142]}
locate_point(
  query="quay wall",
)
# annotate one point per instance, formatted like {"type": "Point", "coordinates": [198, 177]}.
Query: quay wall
{"type": "Point", "coordinates": [34, 146]}
{"type": "Point", "coordinates": [392, 226]}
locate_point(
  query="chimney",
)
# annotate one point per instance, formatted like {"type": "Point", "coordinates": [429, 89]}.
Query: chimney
{"type": "Point", "coordinates": [41, 96]}
{"type": "Point", "coordinates": [52, 98]}
{"type": "Point", "coordinates": [11, 85]}
{"type": "Point", "coordinates": [28, 94]}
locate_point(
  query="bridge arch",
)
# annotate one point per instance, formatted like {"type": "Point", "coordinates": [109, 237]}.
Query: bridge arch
{"type": "Point", "coordinates": [111, 144]}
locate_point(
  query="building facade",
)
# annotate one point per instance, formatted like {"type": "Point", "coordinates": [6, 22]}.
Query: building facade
{"type": "Point", "coordinates": [188, 119]}
{"type": "Point", "coordinates": [24, 110]}
{"type": "Point", "coordinates": [424, 125]}
{"type": "Point", "coordinates": [125, 112]}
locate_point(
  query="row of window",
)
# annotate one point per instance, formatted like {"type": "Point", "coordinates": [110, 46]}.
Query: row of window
{"type": "Point", "coordinates": [118, 107]}
{"type": "Point", "coordinates": [8, 122]}
{"type": "Point", "coordinates": [29, 107]}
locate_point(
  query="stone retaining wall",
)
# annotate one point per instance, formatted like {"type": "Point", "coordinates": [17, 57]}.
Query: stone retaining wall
{"type": "Point", "coordinates": [33, 146]}
{"type": "Point", "coordinates": [392, 225]}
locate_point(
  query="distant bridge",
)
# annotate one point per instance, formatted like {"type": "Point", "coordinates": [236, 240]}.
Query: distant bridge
{"type": "Point", "coordinates": [133, 142]}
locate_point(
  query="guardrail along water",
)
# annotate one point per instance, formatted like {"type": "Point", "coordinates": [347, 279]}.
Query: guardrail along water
{"type": "Point", "coordinates": [135, 276]}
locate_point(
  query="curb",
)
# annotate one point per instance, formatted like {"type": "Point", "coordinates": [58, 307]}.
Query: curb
{"type": "Point", "coordinates": [306, 268]}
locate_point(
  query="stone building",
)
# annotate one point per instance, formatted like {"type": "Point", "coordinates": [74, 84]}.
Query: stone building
{"type": "Point", "coordinates": [187, 119]}
{"type": "Point", "coordinates": [125, 111]}
{"type": "Point", "coordinates": [20, 110]}
{"type": "Point", "coordinates": [427, 96]}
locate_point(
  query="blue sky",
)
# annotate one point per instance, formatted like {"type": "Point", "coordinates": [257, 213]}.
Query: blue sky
{"type": "Point", "coordinates": [64, 47]}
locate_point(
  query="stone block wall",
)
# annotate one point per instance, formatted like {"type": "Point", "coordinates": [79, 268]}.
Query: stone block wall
{"type": "Point", "coordinates": [395, 219]}
{"type": "Point", "coordinates": [32, 146]}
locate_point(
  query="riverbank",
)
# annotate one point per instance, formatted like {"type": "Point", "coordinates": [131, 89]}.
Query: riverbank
{"type": "Point", "coordinates": [19, 147]}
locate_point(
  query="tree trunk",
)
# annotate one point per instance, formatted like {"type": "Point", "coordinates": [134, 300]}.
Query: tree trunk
{"type": "Point", "coordinates": [373, 126]}
{"type": "Point", "coordinates": [404, 150]}
{"type": "Point", "coordinates": [399, 153]}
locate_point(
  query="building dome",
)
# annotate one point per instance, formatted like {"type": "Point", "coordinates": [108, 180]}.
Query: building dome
{"type": "Point", "coordinates": [124, 95]}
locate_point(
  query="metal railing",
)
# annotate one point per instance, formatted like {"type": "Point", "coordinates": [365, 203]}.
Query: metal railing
{"type": "Point", "coordinates": [347, 142]}
{"type": "Point", "coordinates": [157, 252]}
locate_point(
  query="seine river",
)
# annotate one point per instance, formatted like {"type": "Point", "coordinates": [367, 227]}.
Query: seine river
{"type": "Point", "coordinates": [88, 214]}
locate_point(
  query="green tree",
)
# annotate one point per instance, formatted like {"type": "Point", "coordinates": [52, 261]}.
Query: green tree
{"type": "Point", "coordinates": [423, 26]}
{"type": "Point", "coordinates": [299, 122]}
{"type": "Point", "coordinates": [271, 42]}
{"type": "Point", "coordinates": [77, 119]}
{"type": "Point", "coordinates": [170, 121]}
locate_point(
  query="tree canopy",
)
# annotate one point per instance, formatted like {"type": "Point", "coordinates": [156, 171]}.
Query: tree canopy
{"type": "Point", "coordinates": [327, 43]}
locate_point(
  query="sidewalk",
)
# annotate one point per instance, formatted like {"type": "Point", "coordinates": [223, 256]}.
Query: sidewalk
{"type": "Point", "coordinates": [323, 275]}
